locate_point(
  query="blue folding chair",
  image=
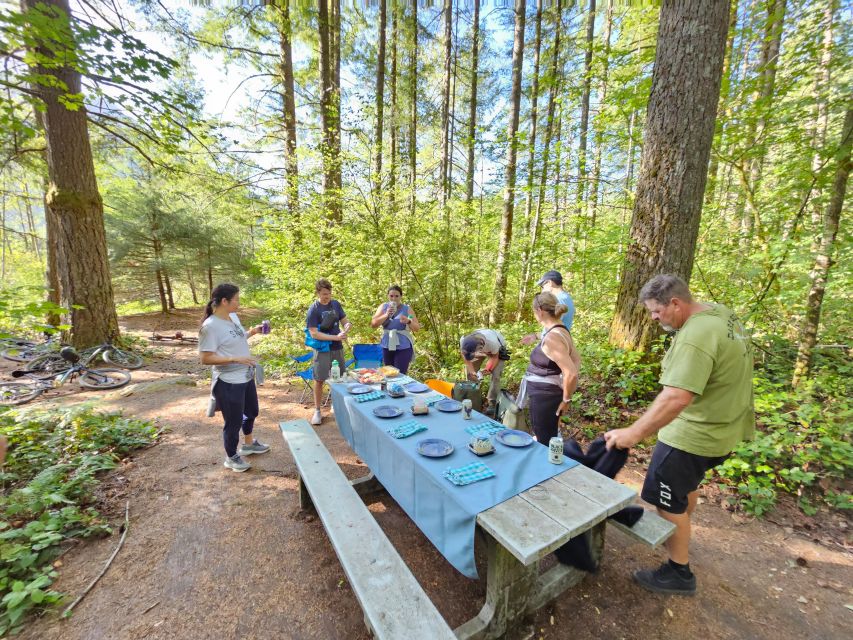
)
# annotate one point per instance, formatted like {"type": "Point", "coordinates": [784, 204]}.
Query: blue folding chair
{"type": "Point", "coordinates": [307, 375]}
{"type": "Point", "coordinates": [367, 355]}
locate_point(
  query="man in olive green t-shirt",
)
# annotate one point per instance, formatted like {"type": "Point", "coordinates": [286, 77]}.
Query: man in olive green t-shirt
{"type": "Point", "coordinates": [703, 411]}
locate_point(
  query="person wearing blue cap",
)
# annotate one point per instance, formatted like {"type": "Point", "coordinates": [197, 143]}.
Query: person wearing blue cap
{"type": "Point", "coordinates": [552, 282]}
{"type": "Point", "coordinates": [485, 346]}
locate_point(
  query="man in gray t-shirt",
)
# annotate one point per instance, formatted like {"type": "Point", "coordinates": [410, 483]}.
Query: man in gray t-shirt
{"type": "Point", "coordinates": [485, 345]}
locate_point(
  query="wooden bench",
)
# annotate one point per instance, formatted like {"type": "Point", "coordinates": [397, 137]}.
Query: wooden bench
{"type": "Point", "coordinates": [651, 529]}
{"type": "Point", "coordinates": [394, 604]}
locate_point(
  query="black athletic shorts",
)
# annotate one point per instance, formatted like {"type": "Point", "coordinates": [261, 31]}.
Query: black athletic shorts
{"type": "Point", "coordinates": [673, 474]}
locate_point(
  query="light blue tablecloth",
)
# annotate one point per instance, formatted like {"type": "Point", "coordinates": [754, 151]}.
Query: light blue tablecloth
{"type": "Point", "coordinates": [445, 513]}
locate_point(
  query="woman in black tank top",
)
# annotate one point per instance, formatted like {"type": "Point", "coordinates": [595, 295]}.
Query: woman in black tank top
{"type": "Point", "coordinates": [555, 355]}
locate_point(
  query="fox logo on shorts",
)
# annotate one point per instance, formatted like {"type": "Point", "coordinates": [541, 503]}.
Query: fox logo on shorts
{"type": "Point", "coordinates": [665, 495]}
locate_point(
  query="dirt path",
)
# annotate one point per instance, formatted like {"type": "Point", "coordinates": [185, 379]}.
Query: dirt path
{"type": "Point", "coordinates": [215, 554]}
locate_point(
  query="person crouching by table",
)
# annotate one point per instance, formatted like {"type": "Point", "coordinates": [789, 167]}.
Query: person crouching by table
{"type": "Point", "coordinates": [325, 319]}
{"type": "Point", "coordinates": [552, 375]}
{"type": "Point", "coordinates": [485, 346]}
{"type": "Point", "coordinates": [398, 321]}
{"type": "Point", "coordinates": [223, 343]}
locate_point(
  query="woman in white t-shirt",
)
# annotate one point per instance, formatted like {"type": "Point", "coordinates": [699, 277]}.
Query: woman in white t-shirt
{"type": "Point", "coordinates": [223, 343]}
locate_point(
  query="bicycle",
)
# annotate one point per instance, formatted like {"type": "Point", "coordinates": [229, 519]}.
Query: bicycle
{"type": "Point", "coordinates": [25, 350]}
{"type": "Point", "coordinates": [15, 393]}
{"type": "Point", "coordinates": [53, 362]}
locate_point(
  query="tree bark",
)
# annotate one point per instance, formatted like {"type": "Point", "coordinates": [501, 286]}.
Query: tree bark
{"type": "Point", "coordinates": [599, 128]}
{"type": "Point", "coordinates": [674, 164]}
{"type": "Point", "coordinates": [505, 241]}
{"type": "Point", "coordinates": [329, 115]}
{"type": "Point", "coordinates": [73, 196]}
{"type": "Point", "coordinates": [413, 113]}
{"type": "Point", "coordinates": [445, 106]}
{"type": "Point", "coordinates": [291, 165]}
{"type": "Point", "coordinates": [472, 110]}
{"type": "Point", "coordinates": [824, 258]}
{"type": "Point", "coordinates": [380, 105]}
{"type": "Point", "coordinates": [168, 282]}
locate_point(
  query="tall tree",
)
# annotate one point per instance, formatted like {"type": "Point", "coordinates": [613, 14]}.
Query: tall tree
{"type": "Point", "coordinates": [413, 112]}
{"type": "Point", "coordinates": [599, 128]}
{"type": "Point", "coordinates": [393, 116]}
{"type": "Point", "coordinates": [380, 104]}
{"type": "Point", "coordinates": [329, 114]}
{"type": "Point", "coordinates": [72, 198]}
{"type": "Point", "coordinates": [584, 122]}
{"type": "Point", "coordinates": [444, 164]}
{"type": "Point", "coordinates": [674, 164]}
{"type": "Point", "coordinates": [531, 152]}
{"type": "Point", "coordinates": [824, 258]}
{"type": "Point", "coordinates": [555, 80]}
{"type": "Point", "coordinates": [291, 166]}
{"type": "Point", "coordinates": [472, 108]}
{"type": "Point", "coordinates": [505, 241]}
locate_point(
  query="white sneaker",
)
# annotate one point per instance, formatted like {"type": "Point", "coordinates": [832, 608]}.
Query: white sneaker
{"type": "Point", "coordinates": [317, 418]}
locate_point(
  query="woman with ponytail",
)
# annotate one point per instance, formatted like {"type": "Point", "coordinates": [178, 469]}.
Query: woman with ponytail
{"type": "Point", "coordinates": [552, 375]}
{"type": "Point", "coordinates": [223, 343]}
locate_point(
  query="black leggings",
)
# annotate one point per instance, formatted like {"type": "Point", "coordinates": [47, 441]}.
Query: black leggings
{"type": "Point", "coordinates": [543, 415]}
{"type": "Point", "coordinates": [239, 405]}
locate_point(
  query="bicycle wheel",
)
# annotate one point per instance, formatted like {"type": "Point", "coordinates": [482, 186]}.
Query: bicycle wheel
{"type": "Point", "coordinates": [104, 378]}
{"type": "Point", "coordinates": [18, 354]}
{"type": "Point", "coordinates": [12, 393]}
{"type": "Point", "coordinates": [48, 363]}
{"type": "Point", "coordinates": [123, 359]}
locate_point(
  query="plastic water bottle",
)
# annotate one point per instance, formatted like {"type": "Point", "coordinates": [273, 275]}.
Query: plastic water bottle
{"type": "Point", "coordinates": [336, 371]}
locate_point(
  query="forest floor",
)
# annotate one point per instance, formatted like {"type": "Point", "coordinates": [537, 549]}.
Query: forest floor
{"type": "Point", "coordinates": [215, 554]}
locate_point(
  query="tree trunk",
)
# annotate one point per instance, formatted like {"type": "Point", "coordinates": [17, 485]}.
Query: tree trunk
{"type": "Point", "coordinates": [556, 86]}
{"type": "Point", "coordinates": [73, 196]}
{"type": "Point", "coordinates": [818, 133]}
{"type": "Point", "coordinates": [413, 115]}
{"type": "Point", "coordinates": [505, 241]}
{"type": "Point", "coordinates": [757, 143]}
{"type": "Point", "coordinates": [209, 270]}
{"type": "Point", "coordinates": [445, 107]}
{"type": "Point", "coordinates": [724, 98]}
{"type": "Point", "coordinates": [599, 128]}
{"type": "Point", "coordinates": [191, 283]}
{"type": "Point", "coordinates": [31, 225]}
{"type": "Point", "coordinates": [291, 165]}
{"type": "Point", "coordinates": [824, 258]}
{"type": "Point", "coordinates": [584, 123]}
{"type": "Point", "coordinates": [161, 289]}
{"type": "Point", "coordinates": [472, 110]}
{"type": "Point", "coordinates": [392, 173]}
{"type": "Point", "coordinates": [329, 116]}
{"type": "Point", "coordinates": [168, 282]}
{"type": "Point", "coordinates": [531, 155]}
{"type": "Point", "coordinates": [674, 165]}
{"type": "Point", "coordinates": [380, 106]}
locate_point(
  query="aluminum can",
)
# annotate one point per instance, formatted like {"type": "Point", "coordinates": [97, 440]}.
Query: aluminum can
{"type": "Point", "coordinates": [265, 327]}
{"type": "Point", "coordinates": [555, 450]}
{"type": "Point", "coordinates": [466, 408]}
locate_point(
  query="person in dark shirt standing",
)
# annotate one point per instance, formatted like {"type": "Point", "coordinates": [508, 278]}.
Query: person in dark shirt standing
{"type": "Point", "coordinates": [326, 321]}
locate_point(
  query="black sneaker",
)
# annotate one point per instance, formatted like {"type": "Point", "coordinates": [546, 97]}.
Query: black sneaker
{"type": "Point", "coordinates": [665, 579]}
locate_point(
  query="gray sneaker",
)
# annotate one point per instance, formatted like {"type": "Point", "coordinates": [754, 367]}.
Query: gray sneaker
{"type": "Point", "coordinates": [256, 447]}
{"type": "Point", "coordinates": [236, 463]}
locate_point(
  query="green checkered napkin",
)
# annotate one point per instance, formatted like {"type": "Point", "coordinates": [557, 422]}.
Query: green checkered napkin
{"type": "Point", "coordinates": [408, 428]}
{"type": "Point", "coordinates": [473, 472]}
{"type": "Point", "coordinates": [366, 397]}
{"type": "Point", "coordinates": [487, 428]}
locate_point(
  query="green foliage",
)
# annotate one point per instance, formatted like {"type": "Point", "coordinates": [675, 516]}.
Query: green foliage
{"type": "Point", "coordinates": [50, 473]}
{"type": "Point", "coordinates": [802, 445]}
{"type": "Point", "coordinates": [23, 309]}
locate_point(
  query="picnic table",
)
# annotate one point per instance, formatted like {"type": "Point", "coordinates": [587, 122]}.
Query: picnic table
{"type": "Point", "coordinates": [529, 509]}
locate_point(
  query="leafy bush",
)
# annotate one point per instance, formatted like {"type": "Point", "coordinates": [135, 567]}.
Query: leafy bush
{"type": "Point", "coordinates": [49, 476]}
{"type": "Point", "coordinates": [802, 446]}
